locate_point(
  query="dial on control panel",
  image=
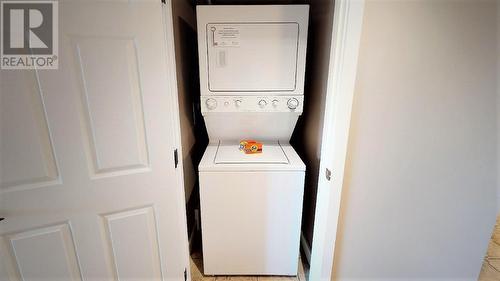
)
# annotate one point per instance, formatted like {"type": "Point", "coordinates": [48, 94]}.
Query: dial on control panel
{"type": "Point", "coordinates": [262, 103]}
{"type": "Point", "coordinates": [211, 104]}
{"type": "Point", "coordinates": [293, 103]}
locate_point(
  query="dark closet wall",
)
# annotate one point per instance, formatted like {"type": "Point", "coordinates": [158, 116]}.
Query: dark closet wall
{"type": "Point", "coordinates": [307, 136]}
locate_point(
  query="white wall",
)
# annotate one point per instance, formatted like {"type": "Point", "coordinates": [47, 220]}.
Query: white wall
{"type": "Point", "coordinates": [420, 184]}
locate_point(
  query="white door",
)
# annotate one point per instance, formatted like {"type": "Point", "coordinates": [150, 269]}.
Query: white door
{"type": "Point", "coordinates": [88, 185]}
{"type": "Point", "coordinates": [346, 34]}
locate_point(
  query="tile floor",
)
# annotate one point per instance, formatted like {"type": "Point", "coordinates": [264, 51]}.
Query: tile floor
{"type": "Point", "coordinates": [197, 275]}
{"type": "Point", "coordinates": [491, 265]}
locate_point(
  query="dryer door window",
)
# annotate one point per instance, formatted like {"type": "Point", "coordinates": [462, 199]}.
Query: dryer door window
{"type": "Point", "coordinates": [252, 57]}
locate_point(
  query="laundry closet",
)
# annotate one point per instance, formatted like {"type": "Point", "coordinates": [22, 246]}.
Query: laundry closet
{"type": "Point", "coordinates": [265, 121]}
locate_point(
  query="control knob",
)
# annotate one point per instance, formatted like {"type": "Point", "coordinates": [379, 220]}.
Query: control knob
{"type": "Point", "coordinates": [293, 103]}
{"type": "Point", "coordinates": [237, 103]}
{"type": "Point", "coordinates": [262, 103]}
{"type": "Point", "coordinates": [211, 103]}
{"type": "Point", "coordinates": [275, 103]}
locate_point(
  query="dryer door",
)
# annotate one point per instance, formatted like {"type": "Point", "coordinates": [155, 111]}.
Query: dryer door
{"type": "Point", "coordinates": [252, 57]}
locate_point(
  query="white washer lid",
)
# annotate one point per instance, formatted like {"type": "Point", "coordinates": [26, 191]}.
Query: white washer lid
{"type": "Point", "coordinates": [229, 153]}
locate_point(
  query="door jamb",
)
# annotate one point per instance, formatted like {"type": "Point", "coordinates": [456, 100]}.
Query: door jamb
{"type": "Point", "coordinates": [346, 33]}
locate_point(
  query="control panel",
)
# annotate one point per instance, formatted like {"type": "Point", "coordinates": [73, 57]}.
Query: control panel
{"type": "Point", "coordinates": [252, 104]}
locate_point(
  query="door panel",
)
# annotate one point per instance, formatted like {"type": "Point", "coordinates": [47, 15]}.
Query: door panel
{"type": "Point", "coordinates": [143, 242]}
{"type": "Point", "coordinates": [27, 151]}
{"type": "Point", "coordinates": [113, 115]}
{"type": "Point", "coordinates": [97, 136]}
{"type": "Point", "coordinates": [45, 253]}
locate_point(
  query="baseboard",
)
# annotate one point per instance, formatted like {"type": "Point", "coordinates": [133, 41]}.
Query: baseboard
{"type": "Point", "coordinates": [305, 247]}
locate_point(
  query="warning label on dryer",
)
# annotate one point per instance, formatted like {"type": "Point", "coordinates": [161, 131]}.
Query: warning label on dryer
{"type": "Point", "coordinates": [226, 36]}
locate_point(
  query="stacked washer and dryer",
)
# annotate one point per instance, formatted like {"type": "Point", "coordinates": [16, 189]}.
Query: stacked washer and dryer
{"type": "Point", "coordinates": [252, 65]}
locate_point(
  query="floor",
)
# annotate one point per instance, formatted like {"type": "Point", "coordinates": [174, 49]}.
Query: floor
{"type": "Point", "coordinates": [491, 265]}
{"type": "Point", "coordinates": [197, 275]}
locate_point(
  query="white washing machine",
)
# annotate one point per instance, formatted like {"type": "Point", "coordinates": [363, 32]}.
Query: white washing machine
{"type": "Point", "coordinates": [251, 206]}
{"type": "Point", "coordinates": [252, 64]}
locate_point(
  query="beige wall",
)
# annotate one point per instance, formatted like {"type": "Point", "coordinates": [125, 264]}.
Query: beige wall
{"type": "Point", "coordinates": [498, 104]}
{"type": "Point", "coordinates": [420, 185]}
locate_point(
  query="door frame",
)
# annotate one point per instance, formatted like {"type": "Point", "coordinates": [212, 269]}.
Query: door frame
{"type": "Point", "coordinates": [168, 25]}
{"type": "Point", "coordinates": [345, 42]}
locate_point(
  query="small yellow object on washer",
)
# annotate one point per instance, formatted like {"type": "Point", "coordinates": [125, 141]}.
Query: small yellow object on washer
{"type": "Point", "coordinates": [250, 146]}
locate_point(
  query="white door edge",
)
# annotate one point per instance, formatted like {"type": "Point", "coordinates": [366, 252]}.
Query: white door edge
{"type": "Point", "coordinates": [171, 65]}
{"type": "Point", "coordinates": [346, 33]}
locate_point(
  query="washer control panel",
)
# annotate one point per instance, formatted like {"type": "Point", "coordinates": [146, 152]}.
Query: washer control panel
{"type": "Point", "coordinates": [252, 104]}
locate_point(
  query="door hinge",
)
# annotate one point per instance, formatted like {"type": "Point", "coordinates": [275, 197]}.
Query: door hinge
{"type": "Point", "coordinates": [185, 274]}
{"type": "Point", "coordinates": [328, 174]}
{"type": "Point", "coordinates": [176, 158]}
